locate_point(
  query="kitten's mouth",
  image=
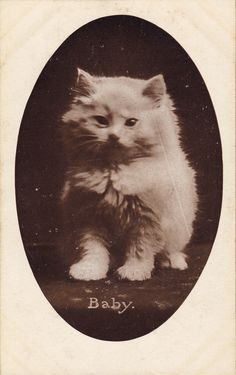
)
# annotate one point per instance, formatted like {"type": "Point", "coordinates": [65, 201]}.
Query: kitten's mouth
{"type": "Point", "coordinates": [115, 147]}
{"type": "Point", "coordinates": [110, 153]}
{"type": "Point", "coordinates": [115, 144]}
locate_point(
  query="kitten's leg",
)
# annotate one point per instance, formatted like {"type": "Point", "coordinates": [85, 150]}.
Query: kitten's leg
{"type": "Point", "coordinates": [137, 267]}
{"type": "Point", "coordinates": [94, 262]}
{"type": "Point", "coordinates": [140, 255]}
{"type": "Point", "coordinates": [177, 237]}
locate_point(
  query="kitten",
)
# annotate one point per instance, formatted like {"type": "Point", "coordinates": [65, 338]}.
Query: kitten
{"type": "Point", "coordinates": [129, 191]}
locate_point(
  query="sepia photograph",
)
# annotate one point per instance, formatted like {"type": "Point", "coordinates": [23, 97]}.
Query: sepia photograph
{"type": "Point", "coordinates": [118, 178]}
{"type": "Point", "coordinates": [117, 187]}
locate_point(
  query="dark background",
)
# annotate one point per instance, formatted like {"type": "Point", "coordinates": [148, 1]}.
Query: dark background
{"type": "Point", "coordinates": [112, 46]}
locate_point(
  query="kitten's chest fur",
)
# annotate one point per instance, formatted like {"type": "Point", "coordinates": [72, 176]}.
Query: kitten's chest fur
{"type": "Point", "coordinates": [109, 193]}
{"type": "Point", "coordinates": [112, 184]}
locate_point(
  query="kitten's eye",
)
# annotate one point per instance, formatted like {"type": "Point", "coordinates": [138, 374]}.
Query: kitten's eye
{"type": "Point", "coordinates": [102, 121]}
{"type": "Point", "coordinates": [130, 122]}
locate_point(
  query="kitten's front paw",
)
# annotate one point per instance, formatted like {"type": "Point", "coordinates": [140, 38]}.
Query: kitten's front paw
{"type": "Point", "coordinates": [134, 272]}
{"type": "Point", "coordinates": [84, 270]}
{"type": "Point", "coordinates": [178, 261]}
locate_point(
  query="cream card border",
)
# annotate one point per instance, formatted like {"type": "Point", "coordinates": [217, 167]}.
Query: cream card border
{"type": "Point", "coordinates": [198, 338]}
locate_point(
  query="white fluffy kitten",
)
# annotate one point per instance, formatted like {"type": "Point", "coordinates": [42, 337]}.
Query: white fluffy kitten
{"type": "Point", "coordinates": [129, 189]}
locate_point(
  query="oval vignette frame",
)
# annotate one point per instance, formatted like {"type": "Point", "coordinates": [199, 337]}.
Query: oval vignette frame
{"type": "Point", "coordinates": [113, 46]}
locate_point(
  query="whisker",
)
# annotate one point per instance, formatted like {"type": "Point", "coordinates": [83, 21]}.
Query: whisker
{"type": "Point", "coordinates": [87, 136]}
{"type": "Point", "coordinates": [93, 143]}
{"type": "Point", "coordinates": [81, 144]}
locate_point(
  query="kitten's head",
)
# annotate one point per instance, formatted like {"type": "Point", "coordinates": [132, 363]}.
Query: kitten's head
{"type": "Point", "coordinates": [114, 118]}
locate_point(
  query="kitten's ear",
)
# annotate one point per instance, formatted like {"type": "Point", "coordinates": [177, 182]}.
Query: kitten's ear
{"type": "Point", "coordinates": [84, 83]}
{"type": "Point", "coordinates": [155, 88]}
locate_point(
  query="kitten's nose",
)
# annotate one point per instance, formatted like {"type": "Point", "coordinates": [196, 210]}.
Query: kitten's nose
{"type": "Point", "coordinates": [114, 137]}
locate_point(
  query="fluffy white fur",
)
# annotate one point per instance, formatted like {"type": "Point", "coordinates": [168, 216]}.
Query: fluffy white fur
{"type": "Point", "coordinates": [94, 264]}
